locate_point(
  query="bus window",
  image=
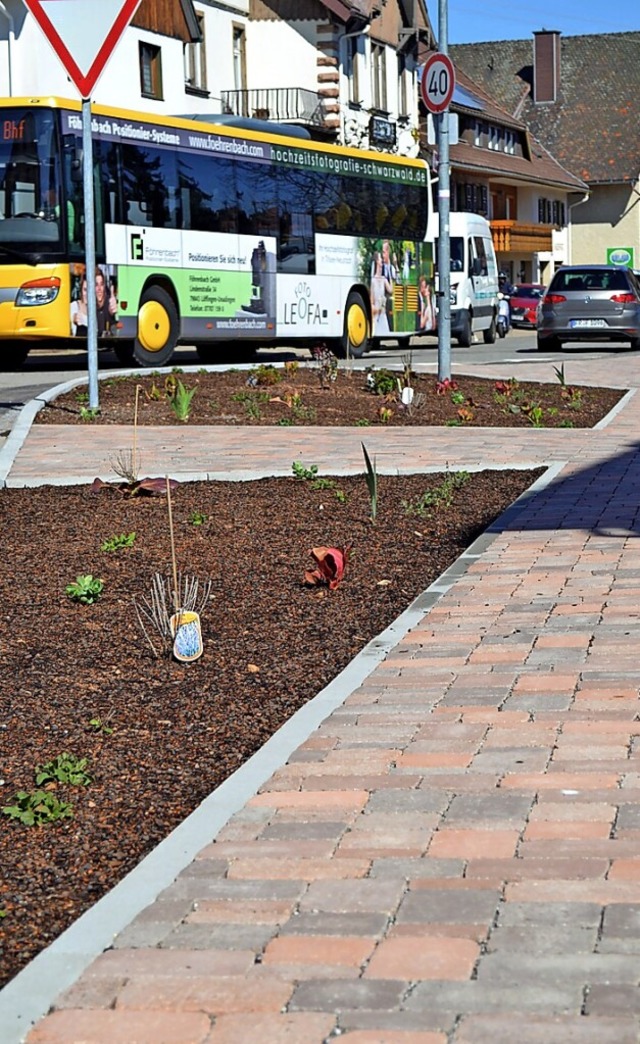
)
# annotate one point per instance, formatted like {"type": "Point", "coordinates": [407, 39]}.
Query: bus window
{"type": "Point", "coordinates": [208, 193]}
{"type": "Point", "coordinates": [257, 199]}
{"type": "Point", "coordinates": [148, 174]}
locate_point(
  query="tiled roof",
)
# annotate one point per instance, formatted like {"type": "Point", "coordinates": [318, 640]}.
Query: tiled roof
{"type": "Point", "coordinates": [593, 129]}
{"type": "Point", "coordinates": [538, 167]}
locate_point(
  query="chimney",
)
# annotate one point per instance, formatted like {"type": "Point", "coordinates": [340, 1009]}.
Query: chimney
{"type": "Point", "coordinates": [546, 65]}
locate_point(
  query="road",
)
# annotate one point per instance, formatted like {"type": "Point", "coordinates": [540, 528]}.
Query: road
{"type": "Point", "coordinates": [43, 369]}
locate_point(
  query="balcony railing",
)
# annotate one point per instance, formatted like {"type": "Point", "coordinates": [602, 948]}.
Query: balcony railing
{"type": "Point", "coordinates": [280, 104]}
{"type": "Point", "coordinates": [512, 235]}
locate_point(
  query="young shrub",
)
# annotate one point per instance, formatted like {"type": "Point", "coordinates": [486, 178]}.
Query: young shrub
{"type": "Point", "coordinates": [86, 589]}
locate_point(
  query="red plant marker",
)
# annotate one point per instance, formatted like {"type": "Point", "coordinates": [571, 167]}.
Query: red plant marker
{"type": "Point", "coordinates": [331, 562]}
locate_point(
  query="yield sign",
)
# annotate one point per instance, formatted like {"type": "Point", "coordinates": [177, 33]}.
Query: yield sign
{"type": "Point", "coordinates": [83, 33]}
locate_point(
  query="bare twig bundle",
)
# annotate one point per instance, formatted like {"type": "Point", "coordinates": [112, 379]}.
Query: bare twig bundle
{"type": "Point", "coordinates": [155, 611]}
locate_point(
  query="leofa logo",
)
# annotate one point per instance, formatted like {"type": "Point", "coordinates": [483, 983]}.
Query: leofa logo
{"type": "Point", "coordinates": [304, 311]}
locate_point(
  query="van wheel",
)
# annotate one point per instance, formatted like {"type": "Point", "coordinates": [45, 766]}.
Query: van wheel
{"type": "Point", "coordinates": [464, 337]}
{"type": "Point", "coordinates": [158, 328]}
{"type": "Point", "coordinates": [490, 334]}
{"type": "Point", "coordinates": [357, 329]}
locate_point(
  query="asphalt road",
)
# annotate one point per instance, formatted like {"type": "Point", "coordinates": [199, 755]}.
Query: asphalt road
{"type": "Point", "coordinates": [43, 369]}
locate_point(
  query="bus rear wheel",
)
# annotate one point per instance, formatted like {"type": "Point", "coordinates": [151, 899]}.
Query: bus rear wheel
{"type": "Point", "coordinates": [158, 328]}
{"type": "Point", "coordinates": [357, 330]}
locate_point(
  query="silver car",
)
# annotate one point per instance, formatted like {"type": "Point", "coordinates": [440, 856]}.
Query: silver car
{"type": "Point", "coordinates": [590, 303]}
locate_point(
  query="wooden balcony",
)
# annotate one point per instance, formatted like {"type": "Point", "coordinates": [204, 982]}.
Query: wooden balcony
{"type": "Point", "coordinates": [281, 104]}
{"type": "Point", "coordinates": [512, 236]}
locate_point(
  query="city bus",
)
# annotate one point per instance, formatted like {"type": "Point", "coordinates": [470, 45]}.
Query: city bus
{"type": "Point", "coordinates": [208, 234]}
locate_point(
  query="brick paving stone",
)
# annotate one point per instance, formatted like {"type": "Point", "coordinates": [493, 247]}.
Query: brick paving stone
{"type": "Point", "coordinates": [422, 906]}
{"type": "Point", "coordinates": [423, 957]}
{"type": "Point", "coordinates": [416, 868]}
{"type": "Point", "coordinates": [214, 995]}
{"type": "Point", "coordinates": [297, 869]}
{"type": "Point", "coordinates": [512, 968]}
{"type": "Point", "coordinates": [464, 998]}
{"type": "Point", "coordinates": [107, 1027]}
{"type": "Point", "coordinates": [217, 937]}
{"type": "Point", "coordinates": [334, 996]}
{"type": "Point", "coordinates": [499, 1029]}
{"type": "Point", "coordinates": [318, 949]}
{"type": "Point", "coordinates": [523, 869]}
{"type": "Point", "coordinates": [468, 844]}
{"type": "Point", "coordinates": [248, 911]}
{"type": "Point", "coordinates": [414, 801]}
{"type": "Point", "coordinates": [393, 1037]}
{"type": "Point", "coordinates": [543, 939]}
{"type": "Point", "coordinates": [612, 999]}
{"type": "Point", "coordinates": [283, 1028]}
{"type": "Point", "coordinates": [563, 913]}
{"type": "Point", "coordinates": [339, 924]}
{"type": "Point", "coordinates": [363, 896]}
{"type": "Point", "coordinates": [565, 829]}
{"type": "Point", "coordinates": [174, 964]}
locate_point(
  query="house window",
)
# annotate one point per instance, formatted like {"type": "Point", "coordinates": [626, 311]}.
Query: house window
{"type": "Point", "coordinates": [150, 71]}
{"type": "Point", "coordinates": [353, 69]}
{"type": "Point", "coordinates": [239, 58]}
{"type": "Point", "coordinates": [403, 92]}
{"type": "Point", "coordinates": [545, 211]}
{"type": "Point", "coordinates": [379, 76]}
{"type": "Point", "coordinates": [509, 142]}
{"type": "Point", "coordinates": [195, 60]}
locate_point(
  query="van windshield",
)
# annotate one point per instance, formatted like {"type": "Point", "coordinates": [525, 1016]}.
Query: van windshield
{"type": "Point", "coordinates": [456, 253]}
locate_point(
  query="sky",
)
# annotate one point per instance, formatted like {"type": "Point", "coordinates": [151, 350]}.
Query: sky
{"type": "Point", "coordinates": [472, 20]}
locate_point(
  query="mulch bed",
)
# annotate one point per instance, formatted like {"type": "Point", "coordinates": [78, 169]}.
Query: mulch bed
{"type": "Point", "coordinates": [304, 396]}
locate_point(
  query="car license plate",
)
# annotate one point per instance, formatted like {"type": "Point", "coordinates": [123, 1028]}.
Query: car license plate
{"type": "Point", "coordinates": [587, 322]}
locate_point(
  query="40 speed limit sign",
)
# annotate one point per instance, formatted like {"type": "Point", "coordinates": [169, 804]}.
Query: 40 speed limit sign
{"type": "Point", "coordinates": [437, 82]}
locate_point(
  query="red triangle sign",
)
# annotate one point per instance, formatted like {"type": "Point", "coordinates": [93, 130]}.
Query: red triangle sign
{"type": "Point", "coordinates": [83, 33]}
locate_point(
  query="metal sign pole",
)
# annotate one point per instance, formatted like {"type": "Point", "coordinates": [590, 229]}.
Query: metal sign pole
{"type": "Point", "coordinates": [90, 253]}
{"type": "Point", "coordinates": [444, 244]}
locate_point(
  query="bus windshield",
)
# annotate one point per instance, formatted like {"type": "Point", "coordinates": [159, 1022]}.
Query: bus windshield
{"type": "Point", "coordinates": [30, 200]}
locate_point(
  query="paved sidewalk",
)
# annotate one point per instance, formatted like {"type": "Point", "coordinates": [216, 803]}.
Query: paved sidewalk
{"type": "Point", "coordinates": [444, 846]}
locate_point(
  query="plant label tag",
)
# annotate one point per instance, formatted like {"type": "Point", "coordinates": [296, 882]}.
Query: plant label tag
{"type": "Point", "coordinates": [187, 636]}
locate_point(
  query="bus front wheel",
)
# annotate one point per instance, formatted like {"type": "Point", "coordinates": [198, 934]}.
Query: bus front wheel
{"type": "Point", "coordinates": [355, 340]}
{"type": "Point", "coordinates": [158, 328]}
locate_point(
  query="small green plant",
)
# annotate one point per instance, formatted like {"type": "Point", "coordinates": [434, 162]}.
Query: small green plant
{"type": "Point", "coordinates": [197, 518]}
{"type": "Point", "coordinates": [86, 589]}
{"type": "Point", "coordinates": [3, 913]}
{"type": "Point", "coordinates": [535, 416]}
{"type": "Point", "coordinates": [566, 423]}
{"type": "Point", "coordinates": [37, 807]}
{"type": "Point", "coordinates": [458, 398]}
{"type": "Point", "coordinates": [302, 472]}
{"type": "Point", "coordinates": [323, 483]}
{"type": "Point", "coordinates": [286, 422]}
{"type": "Point", "coordinates": [180, 401]}
{"type": "Point", "coordinates": [385, 413]}
{"type": "Point", "coordinates": [372, 481]}
{"type": "Point", "coordinates": [559, 372]}
{"type": "Point", "coordinates": [440, 497]}
{"type": "Point", "coordinates": [265, 374]}
{"type": "Point", "coordinates": [381, 382]}
{"type": "Point", "coordinates": [98, 725]}
{"type": "Point", "coordinates": [340, 495]}
{"type": "Point", "coordinates": [117, 543]}
{"type": "Point", "coordinates": [363, 422]}
{"type": "Point", "coordinates": [82, 396]}
{"type": "Point", "coordinates": [64, 768]}
{"type": "Point", "coordinates": [89, 413]}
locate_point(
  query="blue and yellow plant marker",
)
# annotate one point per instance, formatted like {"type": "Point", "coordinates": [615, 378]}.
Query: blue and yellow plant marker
{"type": "Point", "coordinates": [187, 636]}
{"type": "Point", "coordinates": [184, 623]}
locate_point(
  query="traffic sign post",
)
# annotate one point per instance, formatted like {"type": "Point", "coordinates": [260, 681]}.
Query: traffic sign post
{"type": "Point", "coordinates": [84, 34]}
{"type": "Point", "coordinates": [437, 85]}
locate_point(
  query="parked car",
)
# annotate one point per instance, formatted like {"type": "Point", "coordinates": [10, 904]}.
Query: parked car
{"type": "Point", "coordinates": [524, 304]}
{"type": "Point", "coordinates": [590, 303]}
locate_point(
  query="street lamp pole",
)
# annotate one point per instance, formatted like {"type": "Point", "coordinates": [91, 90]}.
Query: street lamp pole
{"type": "Point", "coordinates": [444, 196]}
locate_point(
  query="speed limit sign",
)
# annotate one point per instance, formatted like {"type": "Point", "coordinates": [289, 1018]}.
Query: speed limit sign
{"type": "Point", "coordinates": [437, 82]}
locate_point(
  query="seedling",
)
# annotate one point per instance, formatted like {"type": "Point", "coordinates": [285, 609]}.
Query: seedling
{"type": "Point", "coordinates": [117, 543]}
{"type": "Point", "coordinates": [89, 413]}
{"type": "Point", "coordinates": [440, 497]}
{"type": "Point", "coordinates": [302, 472]}
{"type": "Point", "coordinates": [86, 589]}
{"type": "Point", "coordinates": [37, 807]}
{"type": "Point", "coordinates": [180, 400]}
{"type": "Point", "coordinates": [65, 768]}
{"type": "Point", "coordinates": [98, 725]}
{"type": "Point", "coordinates": [197, 518]}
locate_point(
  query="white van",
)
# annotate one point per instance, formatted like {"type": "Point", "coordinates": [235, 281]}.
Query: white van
{"type": "Point", "coordinates": [473, 278]}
